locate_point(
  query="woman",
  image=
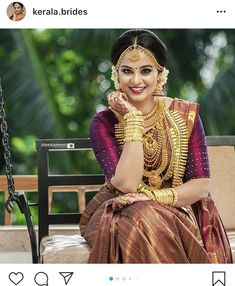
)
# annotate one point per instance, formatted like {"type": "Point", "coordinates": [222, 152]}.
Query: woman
{"type": "Point", "coordinates": [18, 13]}
{"type": "Point", "coordinates": [155, 206]}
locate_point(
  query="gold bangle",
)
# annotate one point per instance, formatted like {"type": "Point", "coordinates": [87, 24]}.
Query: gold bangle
{"type": "Point", "coordinates": [142, 189]}
{"type": "Point", "coordinates": [133, 132]}
{"type": "Point", "coordinates": [175, 196]}
{"type": "Point", "coordinates": [163, 196]}
{"type": "Point", "coordinates": [133, 139]}
{"type": "Point", "coordinates": [166, 196]}
{"type": "Point", "coordinates": [132, 114]}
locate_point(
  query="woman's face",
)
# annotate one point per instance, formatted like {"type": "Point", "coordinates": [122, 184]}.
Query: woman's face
{"type": "Point", "coordinates": [138, 79]}
{"type": "Point", "coordinates": [17, 9]}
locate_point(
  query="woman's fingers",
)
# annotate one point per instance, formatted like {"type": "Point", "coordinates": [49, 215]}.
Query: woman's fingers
{"type": "Point", "coordinates": [118, 101]}
{"type": "Point", "coordinates": [128, 199]}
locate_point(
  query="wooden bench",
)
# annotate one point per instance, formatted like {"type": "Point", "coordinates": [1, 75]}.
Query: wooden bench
{"type": "Point", "coordinates": [46, 181]}
{"type": "Point", "coordinates": [29, 183]}
{"type": "Point", "coordinates": [74, 249]}
{"type": "Point", "coordinates": [22, 183]}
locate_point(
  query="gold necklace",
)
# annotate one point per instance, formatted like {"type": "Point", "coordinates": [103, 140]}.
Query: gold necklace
{"type": "Point", "coordinates": [152, 117]}
{"type": "Point", "coordinates": [173, 166]}
{"type": "Point", "coordinates": [168, 135]}
{"type": "Point", "coordinates": [152, 139]}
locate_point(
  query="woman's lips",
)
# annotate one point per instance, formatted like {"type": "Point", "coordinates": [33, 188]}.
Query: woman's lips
{"type": "Point", "coordinates": [137, 90]}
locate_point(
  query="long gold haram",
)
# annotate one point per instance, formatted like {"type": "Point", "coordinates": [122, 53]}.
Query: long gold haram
{"type": "Point", "coordinates": [177, 133]}
{"type": "Point", "coordinates": [171, 128]}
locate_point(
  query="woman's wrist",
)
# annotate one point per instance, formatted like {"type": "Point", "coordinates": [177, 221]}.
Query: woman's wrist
{"type": "Point", "coordinates": [133, 126]}
{"type": "Point", "coordinates": [167, 196]}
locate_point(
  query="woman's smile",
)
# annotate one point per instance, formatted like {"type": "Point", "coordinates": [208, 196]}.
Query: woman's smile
{"type": "Point", "coordinates": [137, 90]}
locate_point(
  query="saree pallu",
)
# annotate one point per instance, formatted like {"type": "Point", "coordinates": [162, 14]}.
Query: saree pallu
{"type": "Point", "coordinates": [143, 232]}
{"type": "Point", "coordinates": [212, 231]}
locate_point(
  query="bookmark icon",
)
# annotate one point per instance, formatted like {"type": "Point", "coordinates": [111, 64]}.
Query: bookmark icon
{"type": "Point", "coordinates": [218, 278]}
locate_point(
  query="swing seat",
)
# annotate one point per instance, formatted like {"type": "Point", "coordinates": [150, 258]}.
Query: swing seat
{"type": "Point", "coordinates": [64, 249]}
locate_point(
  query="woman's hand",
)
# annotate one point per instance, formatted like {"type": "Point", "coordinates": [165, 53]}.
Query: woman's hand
{"type": "Point", "coordinates": [128, 199]}
{"type": "Point", "coordinates": [118, 102]}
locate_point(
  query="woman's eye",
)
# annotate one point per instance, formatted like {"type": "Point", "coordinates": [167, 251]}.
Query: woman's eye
{"type": "Point", "coordinates": [126, 71]}
{"type": "Point", "coordinates": [146, 71]}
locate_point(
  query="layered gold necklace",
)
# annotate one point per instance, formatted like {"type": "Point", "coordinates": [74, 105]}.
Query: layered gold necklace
{"type": "Point", "coordinates": [165, 146]}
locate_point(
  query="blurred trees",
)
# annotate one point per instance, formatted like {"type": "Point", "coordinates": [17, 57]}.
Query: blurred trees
{"type": "Point", "coordinates": [55, 80]}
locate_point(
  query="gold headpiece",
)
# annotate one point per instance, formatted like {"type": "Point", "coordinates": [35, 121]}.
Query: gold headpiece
{"type": "Point", "coordinates": [134, 55]}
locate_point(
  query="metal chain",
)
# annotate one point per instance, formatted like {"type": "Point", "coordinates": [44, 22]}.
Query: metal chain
{"type": "Point", "coordinates": [14, 196]}
{"type": "Point", "coordinates": [7, 155]}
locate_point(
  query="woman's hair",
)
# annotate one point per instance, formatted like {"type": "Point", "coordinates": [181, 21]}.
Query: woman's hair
{"type": "Point", "coordinates": [21, 5]}
{"type": "Point", "coordinates": [144, 38]}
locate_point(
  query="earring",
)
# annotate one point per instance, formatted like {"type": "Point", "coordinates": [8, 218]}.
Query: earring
{"type": "Point", "coordinates": [114, 78]}
{"type": "Point", "coordinates": [158, 91]}
{"type": "Point", "coordinates": [162, 79]}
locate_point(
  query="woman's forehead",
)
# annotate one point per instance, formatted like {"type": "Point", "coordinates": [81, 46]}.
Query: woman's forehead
{"type": "Point", "coordinates": [142, 60]}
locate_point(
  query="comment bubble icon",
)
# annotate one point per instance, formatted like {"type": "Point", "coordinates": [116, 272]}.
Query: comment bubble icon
{"type": "Point", "coordinates": [41, 279]}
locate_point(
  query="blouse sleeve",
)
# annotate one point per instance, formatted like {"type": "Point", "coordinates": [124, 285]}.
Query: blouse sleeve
{"type": "Point", "coordinates": [103, 142]}
{"type": "Point", "coordinates": [197, 165]}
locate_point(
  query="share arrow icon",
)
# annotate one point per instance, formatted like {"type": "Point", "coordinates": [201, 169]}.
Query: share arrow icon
{"type": "Point", "coordinates": [67, 276]}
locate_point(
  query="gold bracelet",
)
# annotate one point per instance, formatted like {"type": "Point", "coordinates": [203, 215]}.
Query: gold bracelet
{"type": "Point", "coordinates": [167, 196]}
{"type": "Point", "coordinates": [142, 189]}
{"type": "Point", "coordinates": [133, 131]}
{"type": "Point", "coordinates": [133, 138]}
{"type": "Point", "coordinates": [175, 196]}
{"type": "Point", "coordinates": [163, 196]}
{"type": "Point", "coordinates": [130, 114]}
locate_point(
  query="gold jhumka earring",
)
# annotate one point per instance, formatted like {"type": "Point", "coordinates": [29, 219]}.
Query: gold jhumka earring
{"type": "Point", "coordinates": [134, 55]}
{"type": "Point", "coordinates": [162, 79]}
{"type": "Point", "coordinates": [114, 78]}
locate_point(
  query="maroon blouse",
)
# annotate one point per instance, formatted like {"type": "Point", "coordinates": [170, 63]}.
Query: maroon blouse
{"type": "Point", "coordinates": [108, 152]}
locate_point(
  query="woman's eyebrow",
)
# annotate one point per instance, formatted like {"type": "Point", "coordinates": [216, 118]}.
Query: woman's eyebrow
{"type": "Point", "coordinates": [145, 66]}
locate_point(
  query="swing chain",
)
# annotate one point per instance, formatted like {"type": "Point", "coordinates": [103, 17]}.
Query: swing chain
{"type": "Point", "coordinates": [7, 156]}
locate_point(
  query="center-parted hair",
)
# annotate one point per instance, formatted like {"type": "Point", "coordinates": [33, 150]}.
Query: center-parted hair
{"type": "Point", "coordinates": [144, 38]}
{"type": "Point", "coordinates": [21, 5]}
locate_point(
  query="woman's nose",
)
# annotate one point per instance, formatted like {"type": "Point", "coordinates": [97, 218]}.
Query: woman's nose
{"type": "Point", "coordinates": [136, 79]}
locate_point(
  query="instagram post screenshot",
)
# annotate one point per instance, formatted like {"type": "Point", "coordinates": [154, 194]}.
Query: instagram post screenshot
{"type": "Point", "coordinates": [117, 143]}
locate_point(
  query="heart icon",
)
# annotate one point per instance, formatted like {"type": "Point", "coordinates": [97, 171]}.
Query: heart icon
{"type": "Point", "coordinates": [16, 278]}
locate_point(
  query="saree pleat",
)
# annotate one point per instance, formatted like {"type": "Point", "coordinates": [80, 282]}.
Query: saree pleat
{"type": "Point", "coordinates": [144, 232]}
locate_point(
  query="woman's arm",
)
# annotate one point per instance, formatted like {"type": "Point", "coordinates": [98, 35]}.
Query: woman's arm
{"type": "Point", "coordinates": [123, 169]}
{"type": "Point", "coordinates": [192, 191]}
{"type": "Point", "coordinates": [129, 170]}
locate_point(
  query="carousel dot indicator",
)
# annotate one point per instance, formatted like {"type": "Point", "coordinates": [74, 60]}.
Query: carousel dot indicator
{"type": "Point", "coordinates": [110, 278]}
